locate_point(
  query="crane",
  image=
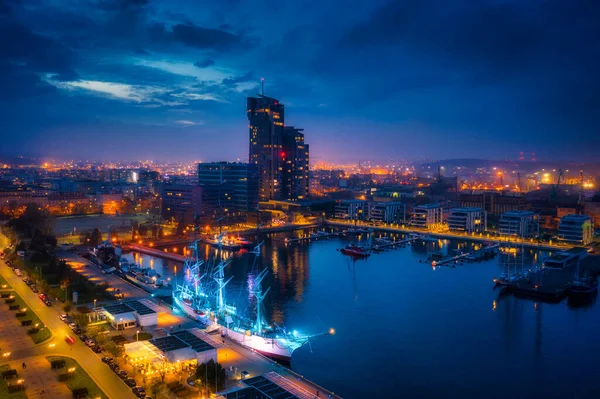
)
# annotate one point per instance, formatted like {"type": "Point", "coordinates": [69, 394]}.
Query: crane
{"type": "Point", "coordinates": [554, 192]}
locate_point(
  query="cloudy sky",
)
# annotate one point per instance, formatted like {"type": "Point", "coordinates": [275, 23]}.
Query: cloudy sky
{"type": "Point", "coordinates": [168, 79]}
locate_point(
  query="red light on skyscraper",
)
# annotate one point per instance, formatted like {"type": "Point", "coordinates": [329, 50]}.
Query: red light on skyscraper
{"type": "Point", "coordinates": [282, 154]}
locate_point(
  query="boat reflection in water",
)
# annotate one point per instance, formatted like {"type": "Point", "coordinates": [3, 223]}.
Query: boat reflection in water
{"type": "Point", "coordinates": [202, 296]}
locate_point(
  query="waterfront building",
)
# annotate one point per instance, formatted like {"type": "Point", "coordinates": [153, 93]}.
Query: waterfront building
{"type": "Point", "coordinates": [181, 202]}
{"type": "Point", "coordinates": [523, 224]}
{"type": "Point", "coordinates": [129, 315]}
{"type": "Point", "coordinates": [576, 229]}
{"type": "Point", "coordinates": [295, 158]}
{"type": "Point", "coordinates": [427, 216]}
{"type": "Point", "coordinates": [227, 188]}
{"type": "Point", "coordinates": [351, 209]}
{"type": "Point", "coordinates": [468, 220]}
{"type": "Point", "coordinates": [387, 212]}
{"type": "Point", "coordinates": [494, 203]}
{"type": "Point", "coordinates": [266, 121]}
{"type": "Point", "coordinates": [279, 154]}
{"type": "Point", "coordinates": [182, 348]}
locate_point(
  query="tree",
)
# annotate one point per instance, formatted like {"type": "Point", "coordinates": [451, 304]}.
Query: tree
{"type": "Point", "coordinates": [95, 238]}
{"type": "Point", "coordinates": [210, 373]}
{"type": "Point", "coordinates": [67, 306]}
{"type": "Point", "coordinates": [179, 231]}
{"type": "Point", "coordinates": [156, 388]}
{"type": "Point", "coordinates": [82, 319]}
{"type": "Point", "coordinates": [116, 350]}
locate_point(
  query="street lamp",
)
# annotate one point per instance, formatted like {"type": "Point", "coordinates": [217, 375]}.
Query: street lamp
{"type": "Point", "coordinates": [137, 335]}
{"type": "Point", "coordinates": [94, 303]}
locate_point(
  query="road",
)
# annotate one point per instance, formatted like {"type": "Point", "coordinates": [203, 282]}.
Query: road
{"type": "Point", "coordinates": [93, 272]}
{"type": "Point", "coordinates": [449, 235]}
{"type": "Point", "coordinates": [106, 380]}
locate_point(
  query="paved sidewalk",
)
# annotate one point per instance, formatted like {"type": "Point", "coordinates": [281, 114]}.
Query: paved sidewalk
{"type": "Point", "coordinates": [37, 376]}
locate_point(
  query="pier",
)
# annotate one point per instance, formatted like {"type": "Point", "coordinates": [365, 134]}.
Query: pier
{"type": "Point", "coordinates": [448, 235]}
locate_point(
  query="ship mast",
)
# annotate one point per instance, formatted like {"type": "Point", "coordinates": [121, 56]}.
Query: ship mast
{"type": "Point", "coordinates": [219, 277]}
{"type": "Point", "coordinates": [260, 296]}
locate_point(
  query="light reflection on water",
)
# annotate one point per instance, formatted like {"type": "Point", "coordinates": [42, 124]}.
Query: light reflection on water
{"type": "Point", "coordinates": [403, 327]}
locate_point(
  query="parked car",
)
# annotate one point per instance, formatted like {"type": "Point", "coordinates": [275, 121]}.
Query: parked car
{"type": "Point", "coordinates": [48, 303]}
{"type": "Point", "coordinates": [83, 337]}
{"type": "Point", "coordinates": [64, 317]}
{"type": "Point", "coordinates": [90, 342]}
{"type": "Point", "coordinates": [42, 296]}
{"type": "Point", "coordinates": [130, 382]}
{"type": "Point", "coordinates": [114, 367]}
{"type": "Point", "coordinates": [107, 359]}
{"type": "Point", "coordinates": [96, 348]}
{"type": "Point", "coordinates": [18, 272]}
{"type": "Point", "coordinates": [123, 374]}
{"type": "Point", "coordinates": [34, 289]}
{"type": "Point", "coordinates": [139, 392]}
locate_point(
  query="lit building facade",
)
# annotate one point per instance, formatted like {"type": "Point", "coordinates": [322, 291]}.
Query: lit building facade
{"type": "Point", "coordinates": [468, 220]}
{"type": "Point", "coordinates": [351, 209]}
{"type": "Point", "coordinates": [228, 187]}
{"type": "Point", "coordinates": [576, 229]}
{"type": "Point", "coordinates": [295, 163]}
{"type": "Point", "coordinates": [181, 202]}
{"type": "Point", "coordinates": [266, 122]}
{"type": "Point", "coordinates": [279, 153]}
{"type": "Point", "coordinates": [523, 224]}
{"type": "Point", "coordinates": [387, 212]}
{"type": "Point", "coordinates": [427, 216]}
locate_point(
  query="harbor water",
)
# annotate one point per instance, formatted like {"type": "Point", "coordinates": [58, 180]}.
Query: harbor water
{"type": "Point", "coordinates": [406, 329]}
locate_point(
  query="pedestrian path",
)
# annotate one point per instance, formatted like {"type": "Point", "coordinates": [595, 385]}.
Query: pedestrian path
{"type": "Point", "coordinates": [37, 376]}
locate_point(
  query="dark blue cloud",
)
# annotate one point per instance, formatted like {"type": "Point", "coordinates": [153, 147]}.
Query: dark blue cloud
{"type": "Point", "coordinates": [205, 63]}
{"type": "Point", "coordinates": [425, 77]}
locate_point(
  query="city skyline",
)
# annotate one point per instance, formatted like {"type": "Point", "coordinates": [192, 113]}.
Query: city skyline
{"type": "Point", "coordinates": [145, 82]}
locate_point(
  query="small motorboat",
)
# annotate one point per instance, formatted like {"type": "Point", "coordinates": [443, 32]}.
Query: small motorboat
{"type": "Point", "coordinates": [354, 251]}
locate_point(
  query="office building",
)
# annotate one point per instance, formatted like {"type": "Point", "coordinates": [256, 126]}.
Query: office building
{"type": "Point", "coordinates": [266, 121]}
{"type": "Point", "coordinates": [468, 220]}
{"type": "Point", "coordinates": [387, 212]}
{"type": "Point", "coordinates": [523, 224]}
{"type": "Point", "coordinates": [576, 229]}
{"type": "Point", "coordinates": [279, 154]}
{"type": "Point", "coordinates": [295, 163]}
{"type": "Point", "coordinates": [494, 203]}
{"type": "Point", "coordinates": [227, 188]}
{"type": "Point", "coordinates": [351, 209]}
{"type": "Point", "coordinates": [427, 216]}
{"type": "Point", "coordinates": [181, 202]}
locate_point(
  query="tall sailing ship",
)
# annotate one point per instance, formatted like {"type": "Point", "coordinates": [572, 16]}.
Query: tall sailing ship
{"type": "Point", "coordinates": [202, 296]}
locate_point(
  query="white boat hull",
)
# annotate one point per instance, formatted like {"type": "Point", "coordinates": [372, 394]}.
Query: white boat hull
{"type": "Point", "coordinates": [270, 347]}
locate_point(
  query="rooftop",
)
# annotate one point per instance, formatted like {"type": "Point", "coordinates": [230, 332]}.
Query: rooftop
{"type": "Point", "coordinates": [139, 308]}
{"type": "Point", "coordinates": [118, 309]}
{"type": "Point", "coordinates": [575, 217]}
{"type": "Point", "coordinates": [168, 343]}
{"type": "Point", "coordinates": [466, 209]}
{"type": "Point", "coordinates": [518, 213]}
{"type": "Point", "coordinates": [196, 343]}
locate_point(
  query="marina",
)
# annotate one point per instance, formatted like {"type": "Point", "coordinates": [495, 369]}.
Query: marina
{"type": "Point", "coordinates": [385, 285]}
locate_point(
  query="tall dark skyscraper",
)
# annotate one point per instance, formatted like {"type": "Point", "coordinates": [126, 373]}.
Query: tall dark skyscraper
{"type": "Point", "coordinates": [279, 153]}
{"type": "Point", "coordinates": [266, 117]}
{"type": "Point", "coordinates": [295, 164]}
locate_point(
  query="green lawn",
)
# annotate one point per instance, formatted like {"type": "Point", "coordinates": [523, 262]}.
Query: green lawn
{"type": "Point", "coordinates": [4, 387]}
{"type": "Point", "coordinates": [3, 282]}
{"type": "Point", "coordinates": [41, 335]}
{"type": "Point", "coordinates": [81, 378]}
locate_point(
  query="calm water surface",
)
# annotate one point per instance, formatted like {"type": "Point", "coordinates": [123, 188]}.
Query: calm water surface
{"type": "Point", "coordinates": [407, 330]}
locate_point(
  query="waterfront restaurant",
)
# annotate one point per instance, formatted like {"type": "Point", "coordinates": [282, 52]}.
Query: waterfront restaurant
{"type": "Point", "coordinates": [129, 315]}
{"type": "Point", "coordinates": [180, 349]}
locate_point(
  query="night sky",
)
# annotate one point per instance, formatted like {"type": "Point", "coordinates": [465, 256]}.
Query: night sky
{"type": "Point", "coordinates": [135, 79]}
